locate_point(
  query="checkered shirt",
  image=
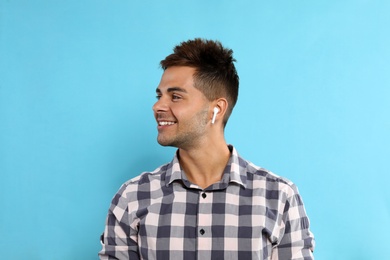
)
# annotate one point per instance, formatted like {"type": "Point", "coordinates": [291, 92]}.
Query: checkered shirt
{"type": "Point", "coordinates": [250, 214]}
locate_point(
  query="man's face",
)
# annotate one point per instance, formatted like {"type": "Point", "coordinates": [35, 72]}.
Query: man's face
{"type": "Point", "coordinates": [181, 111]}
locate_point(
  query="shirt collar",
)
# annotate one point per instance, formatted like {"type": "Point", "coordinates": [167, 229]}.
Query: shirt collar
{"type": "Point", "coordinates": [235, 170]}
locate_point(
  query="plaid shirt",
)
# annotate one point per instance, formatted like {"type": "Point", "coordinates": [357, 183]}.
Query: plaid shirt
{"type": "Point", "coordinates": [250, 214]}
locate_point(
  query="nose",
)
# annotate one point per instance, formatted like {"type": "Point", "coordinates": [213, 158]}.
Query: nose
{"type": "Point", "coordinates": [160, 105]}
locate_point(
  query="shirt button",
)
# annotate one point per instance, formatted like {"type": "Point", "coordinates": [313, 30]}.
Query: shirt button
{"type": "Point", "coordinates": [202, 231]}
{"type": "Point", "coordinates": [204, 195]}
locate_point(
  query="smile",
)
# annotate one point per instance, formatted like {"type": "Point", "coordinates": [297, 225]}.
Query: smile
{"type": "Point", "coordinates": [166, 123]}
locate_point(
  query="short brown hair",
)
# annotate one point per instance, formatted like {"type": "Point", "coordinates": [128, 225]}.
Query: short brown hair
{"type": "Point", "coordinates": [215, 73]}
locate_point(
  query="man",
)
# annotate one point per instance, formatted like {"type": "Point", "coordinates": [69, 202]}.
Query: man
{"type": "Point", "coordinates": [208, 202]}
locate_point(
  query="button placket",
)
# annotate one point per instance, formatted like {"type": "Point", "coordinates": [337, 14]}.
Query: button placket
{"type": "Point", "coordinates": [204, 214]}
{"type": "Point", "coordinates": [204, 220]}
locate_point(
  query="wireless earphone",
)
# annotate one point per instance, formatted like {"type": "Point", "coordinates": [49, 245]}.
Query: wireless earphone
{"type": "Point", "coordinates": [216, 110]}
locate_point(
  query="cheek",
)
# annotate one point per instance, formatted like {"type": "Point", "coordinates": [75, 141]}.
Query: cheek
{"type": "Point", "coordinates": [179, 112]}
{"type": "Point", "coordinates": [184, 114]}
{"type": "Point", "coordinates": [189, 113]}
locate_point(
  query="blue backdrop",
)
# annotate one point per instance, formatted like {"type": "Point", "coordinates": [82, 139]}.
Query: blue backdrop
{"type": "Point", "coordinates": [77, 83]}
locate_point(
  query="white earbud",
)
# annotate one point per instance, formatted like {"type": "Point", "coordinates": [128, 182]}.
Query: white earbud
{"type": "Point", "coordinates": [216, 110]}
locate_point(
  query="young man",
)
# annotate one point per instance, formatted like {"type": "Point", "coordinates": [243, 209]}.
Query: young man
{"type": "Point", "coordinates": [208, 202]}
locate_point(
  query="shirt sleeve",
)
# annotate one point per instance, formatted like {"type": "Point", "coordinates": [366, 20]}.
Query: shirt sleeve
{"type": "Point", "coordinates": [296, 240]}
{"type": "Point", "coordinates": [120, 235]}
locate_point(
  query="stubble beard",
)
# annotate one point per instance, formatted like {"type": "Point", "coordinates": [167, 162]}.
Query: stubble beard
{"type": "Point", "coordinates": [188, 132]}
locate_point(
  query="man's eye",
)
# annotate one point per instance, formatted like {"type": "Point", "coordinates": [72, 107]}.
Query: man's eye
{"type": "Point", "coordinates": [175, 97]}
{"type": "Point", "coordinates": [158, 97]}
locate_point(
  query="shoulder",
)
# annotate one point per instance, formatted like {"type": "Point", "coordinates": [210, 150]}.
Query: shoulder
{"type": "Point", "coordinates": [263, 178]}
{"type": "Point", "coordinates": [146, 181]}
{"type": "Point", "coordinates": [263, 173]}
{"type": "Point", "coordinates": [139, 190]}
{"type": "Point", "coordinates": [257, 177]}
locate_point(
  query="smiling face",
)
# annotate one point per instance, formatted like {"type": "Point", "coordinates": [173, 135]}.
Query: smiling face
{"type": "Point", "coordinates": [181, 111]}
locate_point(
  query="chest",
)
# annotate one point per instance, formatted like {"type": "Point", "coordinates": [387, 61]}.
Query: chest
{"type": "Point", "coordinates": [195, 224]}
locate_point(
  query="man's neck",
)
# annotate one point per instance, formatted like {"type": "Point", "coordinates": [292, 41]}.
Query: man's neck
{"type": "Point", "coordinates": [204, 165]}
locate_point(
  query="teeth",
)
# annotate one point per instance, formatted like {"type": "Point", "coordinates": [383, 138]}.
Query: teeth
{"type": "Point", "coordinates": [166, 123]}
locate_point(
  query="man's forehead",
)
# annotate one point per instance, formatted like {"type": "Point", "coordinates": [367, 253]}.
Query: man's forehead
{"type": "Point", "coordinates": [178, 73]}
{"type": "Point", "coordinates": [177, 78]}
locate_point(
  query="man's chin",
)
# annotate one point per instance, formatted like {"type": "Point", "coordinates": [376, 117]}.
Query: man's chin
{"type": "Point", "coordinates": [165, 143]}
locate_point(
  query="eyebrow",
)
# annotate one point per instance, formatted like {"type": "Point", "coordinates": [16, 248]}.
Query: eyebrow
{"type": "Point", "coordinates": [172, 89]}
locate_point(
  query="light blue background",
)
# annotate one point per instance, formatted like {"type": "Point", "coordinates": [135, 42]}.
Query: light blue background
{"type": "Point", "coordinates": [77, 82]}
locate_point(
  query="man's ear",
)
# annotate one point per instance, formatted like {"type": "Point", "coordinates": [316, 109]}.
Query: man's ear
{"type": "Point", "coordinates": [219, 110]}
